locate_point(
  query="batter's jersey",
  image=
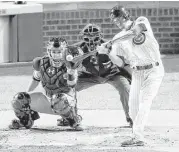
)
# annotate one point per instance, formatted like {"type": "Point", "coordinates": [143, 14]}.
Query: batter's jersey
{"type": "Point", "coordinates": [140, 50]}
{"type": "Point", "coordinates": [53, 79]}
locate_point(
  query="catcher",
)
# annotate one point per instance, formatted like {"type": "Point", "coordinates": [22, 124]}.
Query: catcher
{"type": "Point", "coordinates": [98, 68]}
{"type": "Point", "coordinates": [58, 78]}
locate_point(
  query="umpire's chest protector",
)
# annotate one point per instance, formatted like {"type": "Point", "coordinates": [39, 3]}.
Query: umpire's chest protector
{"type": "Point", "coordinates": [53, 79]}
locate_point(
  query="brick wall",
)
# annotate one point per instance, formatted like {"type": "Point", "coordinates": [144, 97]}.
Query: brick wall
{"type": "Point", "coordinates": [68, 23]}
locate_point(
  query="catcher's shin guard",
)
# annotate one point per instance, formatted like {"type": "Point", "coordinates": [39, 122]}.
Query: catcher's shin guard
{"type": "Point", "coordinates": [21, 107]}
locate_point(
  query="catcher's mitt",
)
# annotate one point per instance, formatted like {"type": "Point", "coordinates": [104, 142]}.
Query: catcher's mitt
{"type": "Point", "coordinates": [71, 54]}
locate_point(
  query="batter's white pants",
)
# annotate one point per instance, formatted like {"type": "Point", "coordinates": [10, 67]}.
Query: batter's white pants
{"type": "Point", "coordinates": [144, 87]}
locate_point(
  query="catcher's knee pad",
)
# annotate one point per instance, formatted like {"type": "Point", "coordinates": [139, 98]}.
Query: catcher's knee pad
{"type": "Point", "coordinates": [21, 106]}
{"type": "Point", "coordinates": [62, 103]}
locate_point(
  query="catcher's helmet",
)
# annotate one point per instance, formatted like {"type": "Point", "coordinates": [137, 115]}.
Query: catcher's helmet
{"type": "Point", "coordinates": [119, 11]}
{"type": "Point", "coordinates": [91, 33]}
{"type": "Point", "coordinates": [55, 49]}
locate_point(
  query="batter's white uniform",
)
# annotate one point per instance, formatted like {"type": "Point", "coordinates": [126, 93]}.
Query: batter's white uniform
{"type": "Point", "coordinates": [141, 51]}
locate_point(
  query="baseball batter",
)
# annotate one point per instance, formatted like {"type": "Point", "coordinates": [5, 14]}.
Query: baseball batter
{"type": "Point", "coordinates": [139, 48]}
{"type": "Point", "coordinates": [58, 78]}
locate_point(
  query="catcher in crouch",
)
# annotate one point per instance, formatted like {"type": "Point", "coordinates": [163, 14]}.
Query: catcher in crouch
{"type": "Point", "coordinates": [98, 68]}
{"type": "Point", "coordinates": [58, 78]}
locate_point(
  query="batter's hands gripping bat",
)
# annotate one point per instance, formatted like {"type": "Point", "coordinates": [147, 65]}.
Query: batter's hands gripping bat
{"type": "Point", "coordinates": [106, 47]}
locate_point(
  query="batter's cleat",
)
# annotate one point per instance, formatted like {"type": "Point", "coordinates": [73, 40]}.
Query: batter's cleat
{"type": "Point", "coordinates": [78, 128]}
{"type": "Point", "coordinates": [129, 120]}
{"type": "Point", "coordinates": [62, 122]}
{"type": "Point", "coordinates": [132, 142]}
{"type": "Point", "coordinates": [15, 124]}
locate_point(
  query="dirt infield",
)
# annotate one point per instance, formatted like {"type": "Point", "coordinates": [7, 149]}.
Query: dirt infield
{"type": "Point", "coordinates": [103, 118]}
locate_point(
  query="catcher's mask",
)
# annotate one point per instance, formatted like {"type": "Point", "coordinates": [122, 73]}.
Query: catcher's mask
{"type": "Point", "coordinates": [55, 50]}
{"type": "Point", "coordinates": [119, 15]}
{"type": "Point", "coordinates": [91, 35]}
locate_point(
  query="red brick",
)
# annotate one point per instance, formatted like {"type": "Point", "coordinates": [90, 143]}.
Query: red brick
{"type": "Point", "coordinates": [74, 27]}
{"type": "Point", "coordinates": [108, 36]}
{"type": "Point", "coordinates": [165, 45]}
{"type": "Point", "coordinates": [63, 32]}
{"type": "Point", "coordinates": [106, 25]}
{"type": "Point", "coordinates": [171, 11]}
{"type": "Point", "coordinates": [84, 20]}
{"type": "Point", "coordinates": [73, 21]}
{"type": "Point", "coordinates": [165, 40]}
{"type": "Point", "coordinates": [166, 12]}
{"type": "Point", "coordinates": [160, 12]}
{"type": "Point", "coordinates": [174, 23]}
{"type": "Point", "coordinates": [62, 15]}
{"type": "Point", "coordinates": [169, 51]}
{"type": "Point", "coordinates": [149, 12]}
{"type": "Point", "coordinates": [81, 14]}
{"type": "Point", "coordinates": [107, 31]}
{"type": "Point", "coordinates": [177, 40]}
{"type": "Point", "coordinates": [108, 20]}
{"type": "Point", "coordinates": [165, 24]}
{"type": "Point", "coordinates": [54, 22]}
{"type": "Point", "coordinates": [154, 12]}
{"type": "Point", "coordinates": [144, 12]}
{"type": "Point", "coordinates": [176, 29]}
{"type": "Point", "coordinates": [165, 29]}
{"type": "Point", "coordinates": [81, 27]}
{"type": "Point", "coordinates": [115, 31]}
{"type": "Point", "coordinates": [133, 12]}
{"type": "Point", "coordinates": [48, 16]}
{"type": "Point", "coordinates": [155, 24]}
{"type": "Point", "coordinates": [67, 15]}
{"type": "Point", "coordinates": [138, 12]}
{"type": "Point", "coordinates": [102, 12]}
{"type": "Point", "coordinates": [92, 14]}
{"type": "Point", "coordinates": [154, 29]}
{"type": "Point", "coordinates": [77, 14]}
{"type": "Point", "coordinates": [46, 39]}
{"type": "Point", "coordinates": [153, 19]}
{"type": "Point", "coordinates": [53, 33]}
{"type": "Point", "coordinates": [176, 18]}
{"type": "Point", "coordinates": [106, 13]}
{"type": "Point", "coordinates": [175, 11]}
{"type": "Point", "coordinates": [175, 45]}
{"type": "Point", "coordinates": [57, 15]}
{"type": "Point", "coordinates": [96, 20]}
{"type": "Point", "coordinates": [66, 37]}
{"type": "Point", "coordinates": [74, 37]}
{"type": "Point", "coordinates": [97, 13]}
{"type": "Point", "coordinates": [52, 28]}
{"type": "Point", "coordinates": [86, 14]}
{"type": "Point", "coordinates": [158, 35]}
{"type": "Point", "coordinates": [166, 35]}
{"type": "Point", "coordinates": [44, 16]}
{"type": "Point", "coordinates": [165, 18]}
{"type": "Point", "coordinates": [45, 28]}
{"type": "Point", "coordinates": [63, 27]}
{"type": "Point", "coordinates": [73, 32]}
{"type": "Point", "coordinates": [174, 34]}
{"type": "Point", "coordinates": [62, 21]}
{"type": "Point", "coordinates": [53, 15]}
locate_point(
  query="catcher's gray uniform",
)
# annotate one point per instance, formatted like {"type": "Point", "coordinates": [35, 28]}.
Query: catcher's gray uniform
{"type": "Point", "coordinates": [58, 98]}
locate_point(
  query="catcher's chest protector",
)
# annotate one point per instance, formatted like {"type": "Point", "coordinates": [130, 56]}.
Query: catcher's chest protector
{"type": "Point", "coordinates": [53, 79]}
